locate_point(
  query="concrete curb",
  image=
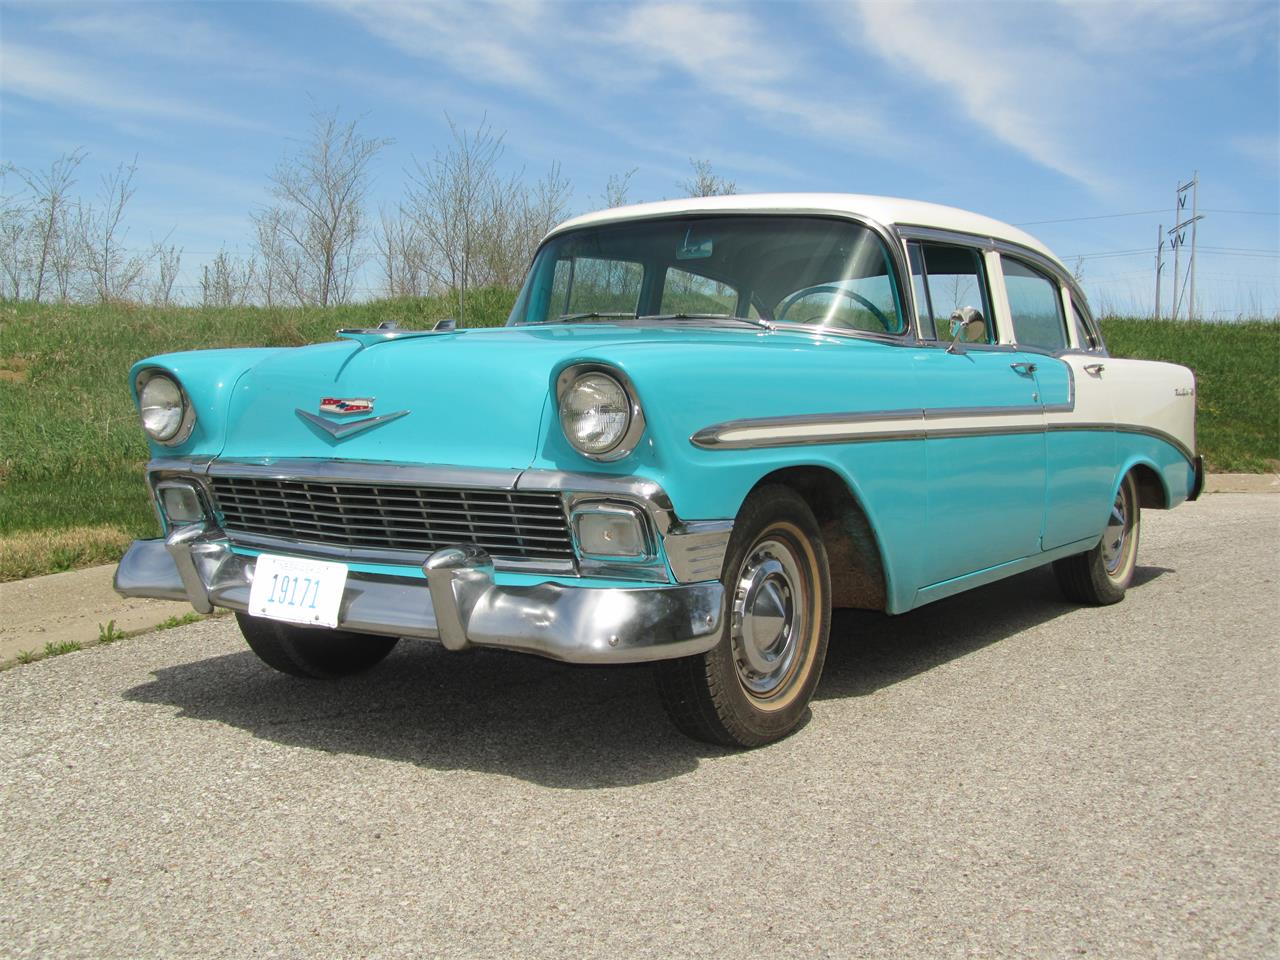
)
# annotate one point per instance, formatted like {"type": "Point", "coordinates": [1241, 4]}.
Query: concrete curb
{"type": "Point", "coordinates": [70, 607]}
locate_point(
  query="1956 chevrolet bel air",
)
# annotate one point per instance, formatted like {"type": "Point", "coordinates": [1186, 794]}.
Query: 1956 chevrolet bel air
{"type": "Point", "coordinates": [707, 423]}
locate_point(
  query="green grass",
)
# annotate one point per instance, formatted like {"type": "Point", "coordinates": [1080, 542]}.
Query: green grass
{"type": "Point", "coordinates": [1237, 368]}
{"type": "Point", "coordinates": [170, 622]}
{"type": "Point", "coordinates": [72, 454]}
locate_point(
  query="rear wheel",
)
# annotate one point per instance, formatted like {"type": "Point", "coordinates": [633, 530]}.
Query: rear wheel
{"type": "Point", "coordinates": [312, 652]}
{"type": "Point", "coordinates": [1100, 576]}
{"type": "Point", "coordinates": [755, 685]}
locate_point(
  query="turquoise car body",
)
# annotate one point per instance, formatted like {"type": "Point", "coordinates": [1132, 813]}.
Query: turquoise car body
{"type": "Point", "coordinates": [484, 398]}
{"type": "Point", "coordinates": [931, 466]}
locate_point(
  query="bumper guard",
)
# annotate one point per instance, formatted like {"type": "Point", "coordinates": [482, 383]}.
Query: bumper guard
{"type": "Point", "coordinates": [459, 603]}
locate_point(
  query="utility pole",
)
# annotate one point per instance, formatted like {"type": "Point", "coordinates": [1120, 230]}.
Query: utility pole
{"type": "Point", "coordinates": [1195, 218]}
{"type": "Point", "coordinates": [1159, 264]}
{"type": "Point", "coordinates": [1178, 237]}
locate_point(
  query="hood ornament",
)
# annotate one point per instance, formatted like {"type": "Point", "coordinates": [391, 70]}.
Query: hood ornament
{"type": "Point", "coordinates": [340, 430]}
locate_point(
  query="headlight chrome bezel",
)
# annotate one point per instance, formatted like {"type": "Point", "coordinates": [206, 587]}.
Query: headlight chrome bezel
{"type": "Point", "coordinates": [634, 430]}
{"type": "Point", "coordinates": [187, 421]}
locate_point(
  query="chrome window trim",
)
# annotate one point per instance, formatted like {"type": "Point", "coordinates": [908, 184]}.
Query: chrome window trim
{"type": "Point", "coordinates": [893, 250]}
{"type": "Point", "coordinates": [908, 231]}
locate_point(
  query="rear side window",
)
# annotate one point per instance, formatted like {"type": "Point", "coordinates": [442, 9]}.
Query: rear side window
{"type": "Point", "coordinates": [1035, 305]}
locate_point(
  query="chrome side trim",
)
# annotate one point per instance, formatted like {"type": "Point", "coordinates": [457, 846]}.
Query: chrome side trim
{"type": "Point", "coordinates": [1135, 428]}
{"type": "Point", "coordinates": [340, 431]}
{"type": "Point", "coordinates": [848, 427]}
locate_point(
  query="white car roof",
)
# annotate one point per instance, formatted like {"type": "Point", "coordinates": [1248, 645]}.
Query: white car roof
{"type": "Point", "coordinates": [889, 211]}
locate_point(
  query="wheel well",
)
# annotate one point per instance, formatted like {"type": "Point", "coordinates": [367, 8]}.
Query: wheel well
{"type": "Point", "coordinates": [1150, 488]}
{"type": "Point", "coordinates": [857, 571]}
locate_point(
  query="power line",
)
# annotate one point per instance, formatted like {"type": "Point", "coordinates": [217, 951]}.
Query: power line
{"type": "Point", "coordinates": [1101, 216]}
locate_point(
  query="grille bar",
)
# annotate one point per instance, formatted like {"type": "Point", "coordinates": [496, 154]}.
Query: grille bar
{"type": "Point", "coordinates": [507, 524]}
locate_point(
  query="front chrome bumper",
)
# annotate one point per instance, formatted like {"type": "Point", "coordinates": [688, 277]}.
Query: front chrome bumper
{"type": "Point", "coordinates": [459, 603]}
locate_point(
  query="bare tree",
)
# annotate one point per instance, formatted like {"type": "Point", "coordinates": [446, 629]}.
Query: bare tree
{"type": "Point", "coordinates": [168, 261]}
{"type": "Point", "coordinates": [617, 188]}
{"type": "Point", "coordinates": [518, 217]}
{"type": "Point", "coordinates": [452, 200]}
{"type": "Point", "coordinates": [14, 248]}
{"type": "Point", "coordinates": [112, 272]}
{"type": "Point", "coordinates": [228, 281]}
{"type": "Point", "coordinates": [705, 182]}
{"type": "Point", "coordinates": [401, 255]}
{"type": "Point", "coordinates": [50, 227]}
{"type": "Point", "coordinates": [318, 221]}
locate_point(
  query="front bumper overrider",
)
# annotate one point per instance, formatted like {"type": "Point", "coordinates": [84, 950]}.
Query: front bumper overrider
{"type": "Point", "coordinates": [459, 603]}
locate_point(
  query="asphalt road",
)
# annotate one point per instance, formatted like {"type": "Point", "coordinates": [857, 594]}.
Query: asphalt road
{"type": "Point", "coordinates": [1000, 774]}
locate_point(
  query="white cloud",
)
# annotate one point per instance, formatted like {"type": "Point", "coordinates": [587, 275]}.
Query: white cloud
{"type": "Point", "coordinates": [49, 78]}
{"type": "Point", "coordinates": [485, 42]}
{"type": "Point", "coordinates": [728, 53]}
{"type": "Point", "coordinates": [1021, 91]}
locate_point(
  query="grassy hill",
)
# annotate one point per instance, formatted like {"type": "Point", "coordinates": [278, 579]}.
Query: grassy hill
{"type": "Point", "coordinates": [72, 453]}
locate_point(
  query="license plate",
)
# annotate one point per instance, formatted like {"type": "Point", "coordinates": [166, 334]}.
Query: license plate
{"type": "Point", "coordinates": [297, 590]}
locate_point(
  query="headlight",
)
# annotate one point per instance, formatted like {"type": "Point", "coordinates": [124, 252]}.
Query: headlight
{"type": "Point", "coordinates": [166, 415]}
{"type": "Point", "coordinates": [599, 416]}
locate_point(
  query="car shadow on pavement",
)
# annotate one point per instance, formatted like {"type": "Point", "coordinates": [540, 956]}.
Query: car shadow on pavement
{"type": "Point", "coordinates": [557, 725]}
{"type": "Point", "coordinates": [870, 651]}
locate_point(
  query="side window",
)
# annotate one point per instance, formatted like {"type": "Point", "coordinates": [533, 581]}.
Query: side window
{"type": "Point", "coordinates": [947, 278]}
{"type": "Point", "coordinates": [1086, 330]}
{"type": "Point", "coordinates": [586, 284]}
{"type": "Point", "coordinates": [1035, 304]}
{"type": "Point", "coordinates": [685, 292]}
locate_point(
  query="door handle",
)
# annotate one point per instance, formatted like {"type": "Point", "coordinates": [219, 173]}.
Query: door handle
{"type": "Point", "coordinates": [1022, 368]}
{"type": "Point", "coordinates": [1094, 368]}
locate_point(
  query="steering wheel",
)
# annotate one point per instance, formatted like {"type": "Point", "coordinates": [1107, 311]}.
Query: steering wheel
{"type": "Point", "coordinates": [844, 291]}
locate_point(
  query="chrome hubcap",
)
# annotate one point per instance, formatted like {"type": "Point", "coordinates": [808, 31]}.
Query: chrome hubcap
{"type": "Point", "coordinates": [1117, 532]}
{"type": "Point", "coordinates": [768, 617]}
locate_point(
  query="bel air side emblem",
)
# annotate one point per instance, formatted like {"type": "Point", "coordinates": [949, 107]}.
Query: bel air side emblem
{"type": "Point", "coordinates": [346, 405]}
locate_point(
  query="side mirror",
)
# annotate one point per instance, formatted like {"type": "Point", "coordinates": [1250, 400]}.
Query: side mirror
{"type": "Point", "coordinates": [969, 325]}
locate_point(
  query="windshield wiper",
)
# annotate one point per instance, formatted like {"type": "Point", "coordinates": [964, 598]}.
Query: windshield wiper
{"type": "Point", "coordinates": [754, 321]}
{"type": "Point", "coordinates": [595, 315]}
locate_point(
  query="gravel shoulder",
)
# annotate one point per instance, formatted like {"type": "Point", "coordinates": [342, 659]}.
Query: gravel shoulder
{"type": "Point", "coordinates": [999, 774]}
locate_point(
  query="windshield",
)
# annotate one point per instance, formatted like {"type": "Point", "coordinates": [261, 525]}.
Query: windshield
{"type": "Point", "coordinates": [785, 269]}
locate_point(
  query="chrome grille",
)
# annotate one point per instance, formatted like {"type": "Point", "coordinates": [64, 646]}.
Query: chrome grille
{"type": "Point", "coordinates": [506, 523]}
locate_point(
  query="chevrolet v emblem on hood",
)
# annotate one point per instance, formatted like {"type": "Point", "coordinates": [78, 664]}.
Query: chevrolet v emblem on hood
{"type": "Point", "coordinates": [340, 431]}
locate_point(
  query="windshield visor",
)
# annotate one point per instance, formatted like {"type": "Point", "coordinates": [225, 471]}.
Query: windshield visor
{"type": "Point", "coordinates": [786, 269]}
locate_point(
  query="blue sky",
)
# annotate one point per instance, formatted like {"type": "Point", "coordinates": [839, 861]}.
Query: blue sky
{"type": "Point", "coordinates": [1031, 111]}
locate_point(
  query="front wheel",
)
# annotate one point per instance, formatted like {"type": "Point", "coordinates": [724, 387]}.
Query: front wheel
{"type": "Point", "coordinates": [754, 685]}
{"type": "Point", "coordinates": [312, 652]}
{"type": "Point", "coordinates": [1100, 576]}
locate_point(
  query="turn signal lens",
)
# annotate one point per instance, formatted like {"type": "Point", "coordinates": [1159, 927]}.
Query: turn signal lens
{"type": "Point", "coordinates": [610, 531]}
{"type": "Point", "coordinates": [180, 503]}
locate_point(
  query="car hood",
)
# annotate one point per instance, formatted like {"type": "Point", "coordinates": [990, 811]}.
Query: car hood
{"type": "Point", "coordinates": [474, 397]}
